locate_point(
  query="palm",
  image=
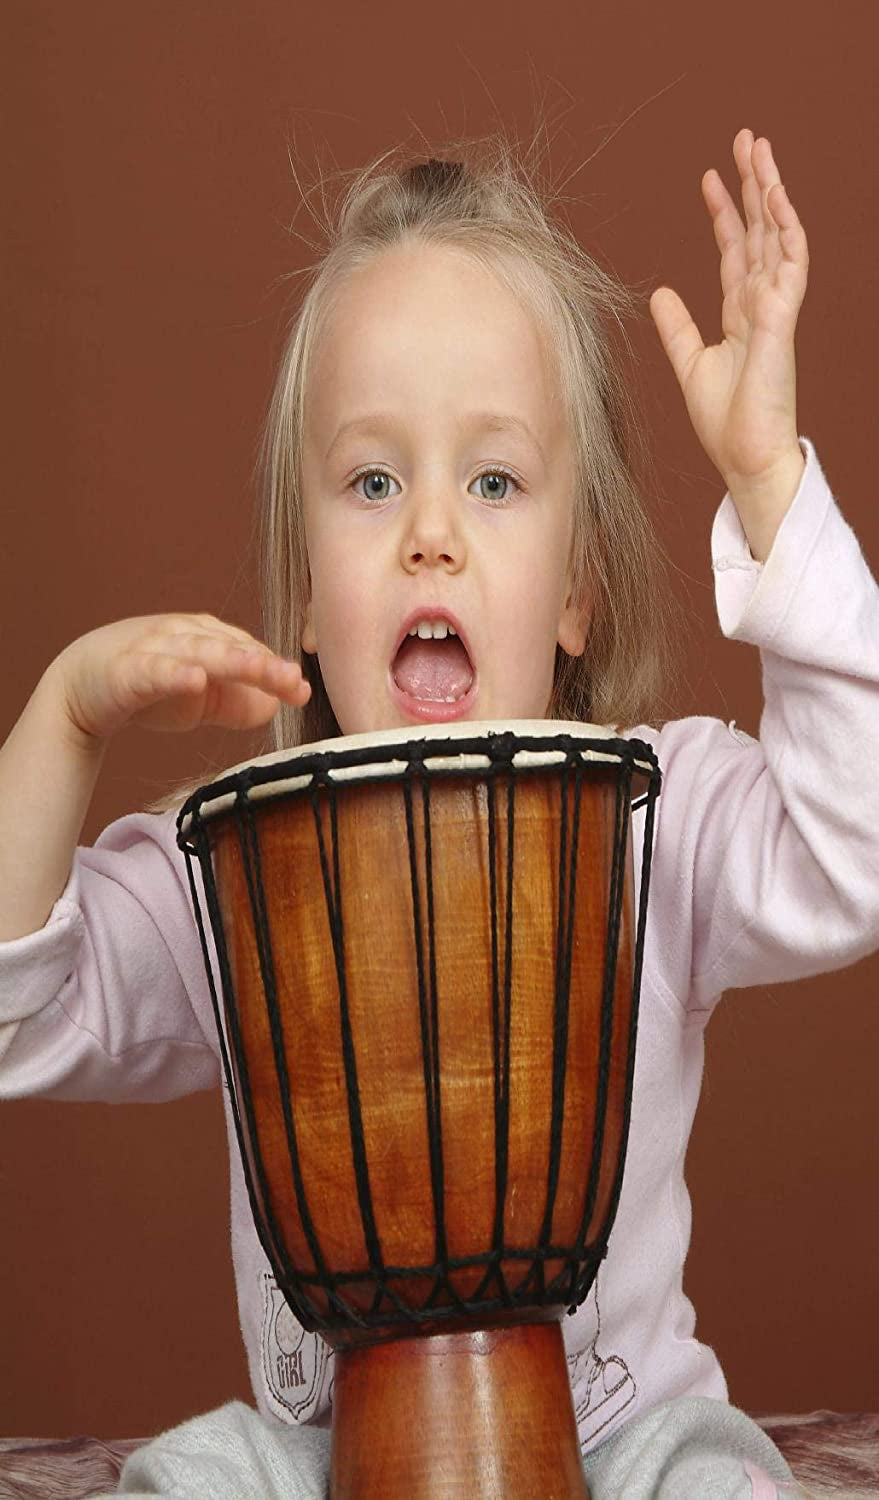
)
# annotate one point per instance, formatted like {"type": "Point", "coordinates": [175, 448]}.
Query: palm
{"type": "Point", "coordinates": [741, 393]}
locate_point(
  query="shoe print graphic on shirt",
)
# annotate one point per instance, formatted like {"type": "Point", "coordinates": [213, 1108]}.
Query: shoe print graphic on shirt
{"type": "Point", "coordinates": [601, 1382]}
{"type": "Point", "coordinates": [294, 1362]}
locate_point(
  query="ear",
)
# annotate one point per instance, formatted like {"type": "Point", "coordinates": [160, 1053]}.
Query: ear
{"type": "Point", "coordinates": [309, 638]}
{"type": "Point", "coordinates": [574, 624]}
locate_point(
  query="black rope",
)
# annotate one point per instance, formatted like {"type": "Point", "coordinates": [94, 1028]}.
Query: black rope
{"type": "Point", "coordinates": [501, 1017]}
{"type": "Point", "coordinates": [653, 792]}
{"type": "Point", "coordinates": [614, 909]}
{"type": "Point", "coordinates": [333, 896]}
{"type": "Point", "coordinates": [428, 1014]}
{"type": "Point", "coordinates": [488, 746]}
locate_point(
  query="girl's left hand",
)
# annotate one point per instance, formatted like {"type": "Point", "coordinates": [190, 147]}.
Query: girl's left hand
{"type": "Point", "coordinates": [741, 393]}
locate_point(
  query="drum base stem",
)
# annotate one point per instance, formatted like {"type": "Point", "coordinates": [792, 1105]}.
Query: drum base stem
{"type": "Point", "coordinates": [487, 1414]}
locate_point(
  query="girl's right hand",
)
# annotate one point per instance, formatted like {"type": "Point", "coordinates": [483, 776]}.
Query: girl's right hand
{"type": "Point", "coordinates": [172, 672]}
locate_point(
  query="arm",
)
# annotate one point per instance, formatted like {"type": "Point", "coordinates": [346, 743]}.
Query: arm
{"type": "Point", "coordinates": [47, 777]}
{"type": "Point", "coordinates": [102, 994]}
{"type": "Point", "coordinates": [774, 846]}
{"type": "Point", "coordinates": [768, 851]}
{"type": "Point", "coordinates": [109, 999]}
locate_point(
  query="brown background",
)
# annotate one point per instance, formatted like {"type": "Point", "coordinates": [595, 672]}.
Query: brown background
{"type": "Point", "coordinates": [147, 192]}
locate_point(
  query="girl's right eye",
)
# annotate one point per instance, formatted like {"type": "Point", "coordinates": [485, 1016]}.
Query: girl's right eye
{"type": "Point", "coordinates": [372, 474]}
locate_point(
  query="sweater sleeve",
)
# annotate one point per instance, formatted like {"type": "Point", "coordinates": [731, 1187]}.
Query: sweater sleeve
{"type": "Point", "coordinates": [109, 999]}
{"type": "Point", "coordinates": [772, 846]}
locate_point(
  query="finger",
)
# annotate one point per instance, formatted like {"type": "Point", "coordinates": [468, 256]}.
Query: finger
{"type": "Point", "coordinates": [208, 647]}
{"type": "Point", "coordinates": [767, 175]}
{"type": "Point", "coordinates": [241, 706]}
{"type": "Point", "coordinates": [794, 267]}
{"type": "Point", "coordinates": [215, 649]}
{"type": "Point", "coordinates": [222, 657]}
{"type": "Point", "coordinates": [729, 232]}
{"type": "Point", "coordinates": [145, 677]}
{"type": "Point", "coordinates": [792, 272]}
{"type": "Point", "coordinates": [227, 702]}
{"type": "Point", "coordinates": [255, 665]}
{"type": "Point", "coordinates": [742, 148]}
{"type": "Point", "coordinates": [244, 638]}
{"type": "Point", "coordinates": [264, 669]}
{"type": "Point", "coordinates": [680, 337]}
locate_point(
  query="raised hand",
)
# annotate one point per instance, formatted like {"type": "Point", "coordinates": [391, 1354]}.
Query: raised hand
{"type": "Point", "coordinates": [741, 393]}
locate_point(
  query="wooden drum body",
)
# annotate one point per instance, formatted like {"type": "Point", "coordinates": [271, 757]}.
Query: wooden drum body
{"type": "Point", "coordinates": [430, 965]}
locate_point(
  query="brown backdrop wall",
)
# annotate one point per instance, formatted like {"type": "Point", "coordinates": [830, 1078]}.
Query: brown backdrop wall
{"type": "Point", "coordinates": [147, 190]}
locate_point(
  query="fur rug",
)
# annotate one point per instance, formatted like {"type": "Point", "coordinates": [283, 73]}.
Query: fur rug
{"type": "Point", "coordinates": [834, 1455]}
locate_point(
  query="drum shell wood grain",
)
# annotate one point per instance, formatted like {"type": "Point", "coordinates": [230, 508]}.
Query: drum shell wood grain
{"type": "Point", "coordinates": [382, 987]}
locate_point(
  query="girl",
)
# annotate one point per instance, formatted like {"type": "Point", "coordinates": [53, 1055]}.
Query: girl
{"type": "Point", "coordinates": [450, 435]}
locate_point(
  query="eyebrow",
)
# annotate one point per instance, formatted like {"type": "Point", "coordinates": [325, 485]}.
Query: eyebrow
{"type": "Point", "coordinates": [484, 421]}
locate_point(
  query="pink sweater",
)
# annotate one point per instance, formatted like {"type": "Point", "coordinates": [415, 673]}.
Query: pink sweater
{"type": "Point", "coordinates": [765, 868]}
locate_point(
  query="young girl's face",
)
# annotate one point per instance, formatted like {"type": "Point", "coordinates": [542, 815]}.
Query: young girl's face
{"type": "Point", "coordinates": [438, 476]}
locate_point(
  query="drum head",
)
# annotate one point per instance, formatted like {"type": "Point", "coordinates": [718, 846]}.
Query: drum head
{"type": "Point", "coordinates": [351, 763]}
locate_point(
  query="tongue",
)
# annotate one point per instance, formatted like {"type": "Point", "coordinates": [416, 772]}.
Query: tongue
{"type": "Point", "coordinates": [438, 670]}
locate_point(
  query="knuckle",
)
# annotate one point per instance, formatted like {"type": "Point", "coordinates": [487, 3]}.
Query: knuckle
{"type": "Point", "coordinates": [198, 645]}
{"type": "Point", "coordinates": [135, 665]}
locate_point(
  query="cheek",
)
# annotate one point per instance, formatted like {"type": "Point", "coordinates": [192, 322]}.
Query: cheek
{"type": "Point", "coordinates": [327, 565]}
{"type": "Point", "coordinates": [344, 603]}
{"type": "Point", "coordinates": [534, 578]}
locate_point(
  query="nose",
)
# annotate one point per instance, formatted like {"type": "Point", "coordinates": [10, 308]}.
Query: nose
{"type": "Point", "coordinates": [432, 535]}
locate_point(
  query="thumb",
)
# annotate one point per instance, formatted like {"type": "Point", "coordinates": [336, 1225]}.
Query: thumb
{"type": "Point", "coordinates": [680, 337]}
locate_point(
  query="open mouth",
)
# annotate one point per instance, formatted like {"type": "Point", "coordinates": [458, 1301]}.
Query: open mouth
{"type": "Point", "coordinates": [437, 670]}
{"type": "Point", "coordinates": [434, 678]}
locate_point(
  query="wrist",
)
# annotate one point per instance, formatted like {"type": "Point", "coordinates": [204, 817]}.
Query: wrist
{"type": "Point", "coordinates": [52, 692]}
{"type": "Point", "coordinates": [763, 500]}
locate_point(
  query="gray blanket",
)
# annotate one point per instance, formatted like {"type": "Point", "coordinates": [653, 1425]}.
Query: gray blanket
{"type": "Point", "coordinates": [689, 1449]}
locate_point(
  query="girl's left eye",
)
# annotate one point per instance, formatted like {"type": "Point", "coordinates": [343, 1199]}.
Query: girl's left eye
{"type": "Point", "coordinates": [496, 472]}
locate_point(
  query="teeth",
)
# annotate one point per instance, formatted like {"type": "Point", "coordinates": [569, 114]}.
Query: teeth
{"type": "Point", "coordinates": [433, 630]}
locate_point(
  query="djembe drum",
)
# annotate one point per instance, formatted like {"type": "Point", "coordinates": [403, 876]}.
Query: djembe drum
{"type": "Point", "coordinates": [430, 968]}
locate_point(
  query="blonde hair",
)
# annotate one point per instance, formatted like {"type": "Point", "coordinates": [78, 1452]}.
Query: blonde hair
{"type": "Point", "coordinates": [486, 198]}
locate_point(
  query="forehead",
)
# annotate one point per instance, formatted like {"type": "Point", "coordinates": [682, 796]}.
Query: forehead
{"type": "Point", "coordinates": [428, 332]}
